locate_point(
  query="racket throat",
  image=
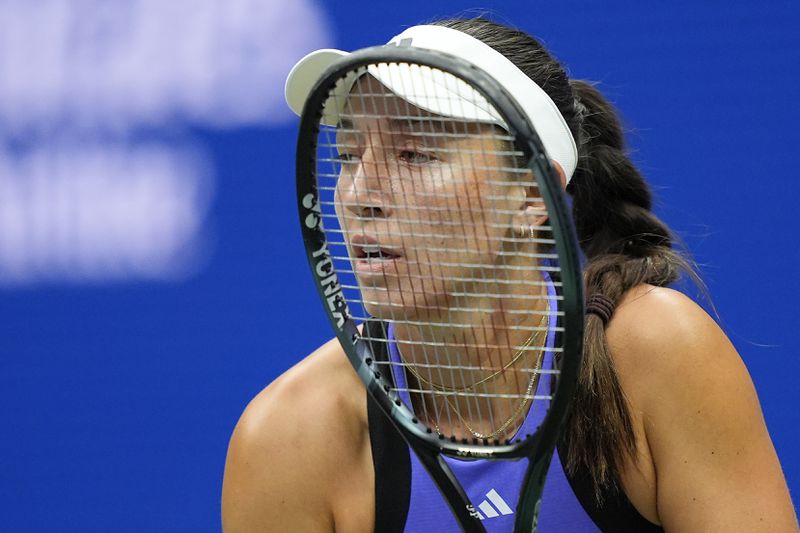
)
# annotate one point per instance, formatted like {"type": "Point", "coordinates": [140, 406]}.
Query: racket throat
{"type": "Point", "coordinates": [471, 421]}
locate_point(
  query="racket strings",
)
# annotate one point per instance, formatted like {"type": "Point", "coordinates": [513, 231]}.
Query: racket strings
{"type": "Point", "coordinates": [421, 193]}
{"type": "Point", "coordinates": [432, 209]}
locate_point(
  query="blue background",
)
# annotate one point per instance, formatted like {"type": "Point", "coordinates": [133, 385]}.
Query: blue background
{"type": "Point", "coordinates": [117, 400]}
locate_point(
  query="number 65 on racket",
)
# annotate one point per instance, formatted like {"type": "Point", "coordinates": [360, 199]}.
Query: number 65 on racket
{"type": "Point", "coordinates": [445, 258]}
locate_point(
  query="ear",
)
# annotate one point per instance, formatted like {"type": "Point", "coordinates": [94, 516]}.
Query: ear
{"type": "Point", "coordinates": [560, 171]}
{"type": "Point", "coordinates": [534, 212]}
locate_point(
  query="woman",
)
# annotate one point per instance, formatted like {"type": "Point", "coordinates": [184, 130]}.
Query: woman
{"type": "Point", "coordinates": [666, 431]}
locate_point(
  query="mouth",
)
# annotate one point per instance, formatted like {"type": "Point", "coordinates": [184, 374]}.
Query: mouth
{"type": "Point", "coordinates": [372, 257]}
{"type": "Point", "coordinates": [374, 252]}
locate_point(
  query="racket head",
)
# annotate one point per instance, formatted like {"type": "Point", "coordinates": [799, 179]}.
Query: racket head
{"type": "Point", "coordinates": [351, 114]}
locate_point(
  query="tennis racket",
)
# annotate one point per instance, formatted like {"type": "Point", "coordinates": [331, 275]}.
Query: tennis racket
{"type": "Point", "coordinates": [430, 211]}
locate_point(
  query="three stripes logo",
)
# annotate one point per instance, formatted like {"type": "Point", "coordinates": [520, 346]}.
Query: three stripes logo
{"type": "Point", "coordinates": [493, 506]}
{"type": "Point", "coordinates": [401, 43]}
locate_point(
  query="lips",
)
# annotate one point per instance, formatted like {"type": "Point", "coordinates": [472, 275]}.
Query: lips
{"type": "Point", "coordinates": [370, 256]}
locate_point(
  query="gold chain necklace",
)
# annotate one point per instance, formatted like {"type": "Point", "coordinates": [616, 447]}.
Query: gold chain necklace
{"type": "Point", "coordinates": [528, 391]}
{"type": "Point", "coordinates": [499, 431]}
{"type": "Point", "coordinates": [445, 388]}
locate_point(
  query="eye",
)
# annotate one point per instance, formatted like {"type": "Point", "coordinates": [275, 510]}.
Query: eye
{"type": "Point", "coordinates": [416, 158]}
{"type": "Point", "coordinates": [347, 158]}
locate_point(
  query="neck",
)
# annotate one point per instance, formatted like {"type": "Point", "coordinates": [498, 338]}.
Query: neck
{"type": "Point", "coordinates": [474, 369]}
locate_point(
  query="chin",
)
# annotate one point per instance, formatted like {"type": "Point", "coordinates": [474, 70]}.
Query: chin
{"type": "Point", "coordinates": [395, 311]}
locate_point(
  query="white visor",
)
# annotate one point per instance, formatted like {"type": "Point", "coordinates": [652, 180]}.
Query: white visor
{"type": "Point", "coordinates": [444, 94]}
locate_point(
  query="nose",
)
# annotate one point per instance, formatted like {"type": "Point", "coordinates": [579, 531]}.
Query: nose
{"type": "Point", "coordinates": [363, 186]}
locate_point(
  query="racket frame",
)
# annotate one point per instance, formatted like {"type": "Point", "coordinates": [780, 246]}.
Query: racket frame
{"type": "Point", "coordinates": [429, 446]}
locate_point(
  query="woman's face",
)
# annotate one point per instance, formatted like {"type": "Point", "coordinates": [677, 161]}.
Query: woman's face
{"type": "Point", "coordinates": [426, 204]}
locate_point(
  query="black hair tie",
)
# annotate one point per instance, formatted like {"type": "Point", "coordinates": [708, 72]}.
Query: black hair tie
{"type": "Point", "coordinates": [600, 305]}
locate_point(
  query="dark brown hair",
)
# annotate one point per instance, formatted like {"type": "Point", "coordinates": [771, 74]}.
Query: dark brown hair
{"type": "Point", "coordinates": [625, 244]}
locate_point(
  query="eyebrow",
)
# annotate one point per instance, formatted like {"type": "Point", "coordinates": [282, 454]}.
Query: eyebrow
{"type": "Point", "coordinates": [431, 124]}
{"type": "Point", "coordinates": [428, 124]}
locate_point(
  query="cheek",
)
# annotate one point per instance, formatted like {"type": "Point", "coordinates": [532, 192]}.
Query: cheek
{"type": "Point", "coordinates": [338, 207]}
{"type": "Point", "coordinates": [453, 209]}
{"type": "Point", "coordinates": [343, 198]}
{"type": "Point", "coordinates": [473, 208]}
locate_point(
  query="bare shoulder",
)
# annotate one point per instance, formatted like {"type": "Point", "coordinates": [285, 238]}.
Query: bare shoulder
{"type": "Point", "coordinates": [291, 444]}
{"type": "Point", "coordinates": [714, 464]}
{"type": "Point", "coordinates": [321, 384]}
{"type": "Point", "coordinates": [656, 328]}
{"type": "Point", "coordinates": [648, 314]}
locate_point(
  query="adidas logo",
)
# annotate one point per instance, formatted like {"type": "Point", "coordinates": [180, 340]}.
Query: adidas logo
{"type": "Point", "coordinates": [493, 506]}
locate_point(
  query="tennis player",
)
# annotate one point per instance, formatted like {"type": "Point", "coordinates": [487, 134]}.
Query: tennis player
{"type": "Point", "coordinates": [666, 432]}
